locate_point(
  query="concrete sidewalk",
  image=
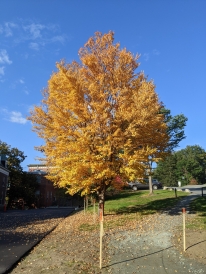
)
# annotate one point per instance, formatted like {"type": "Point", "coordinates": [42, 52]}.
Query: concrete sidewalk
{"type": "Point", "coordinates": [153, 252]}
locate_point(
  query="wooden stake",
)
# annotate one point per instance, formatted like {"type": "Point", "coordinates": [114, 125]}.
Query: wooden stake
{"type": "Point", "coordinates": [86, 202]}
{"type": "Point", "coordinates": [94, 217]}
{"type": "Point", "coordinates": [184, 240]}
{"type": "Point", "coordinates": [84, 205]}
{"type": "Point", "coordinates": [101, 236]}
{"type": "Point", "coordinates": [175, 192]}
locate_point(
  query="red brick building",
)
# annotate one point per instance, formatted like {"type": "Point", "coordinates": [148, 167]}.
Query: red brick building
{"type": "Point", "coordinates": [4, 175]}
{"type": "Point", "coordinates": [48, 194]}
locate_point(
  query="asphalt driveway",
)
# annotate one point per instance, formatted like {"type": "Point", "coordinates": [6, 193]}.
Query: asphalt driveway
{"type": "Point", "coordinates": [20, 230]}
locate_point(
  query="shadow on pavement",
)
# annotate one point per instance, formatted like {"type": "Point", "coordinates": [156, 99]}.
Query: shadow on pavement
{"type": "Point", "coordinates": [143, 256]}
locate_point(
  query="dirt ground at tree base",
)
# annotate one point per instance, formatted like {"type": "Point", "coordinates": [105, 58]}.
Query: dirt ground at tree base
{"type": "Point", "coordinates": [195, 245]}
{"type": "Point", "coordinates": [152, 245]}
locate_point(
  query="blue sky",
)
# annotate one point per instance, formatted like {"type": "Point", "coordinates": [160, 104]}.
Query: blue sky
{"type": "Point", "coordinates": [170, 36]}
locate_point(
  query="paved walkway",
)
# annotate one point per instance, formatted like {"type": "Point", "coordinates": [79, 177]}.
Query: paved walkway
{"type": "Point", "coordinates": [152, 252]}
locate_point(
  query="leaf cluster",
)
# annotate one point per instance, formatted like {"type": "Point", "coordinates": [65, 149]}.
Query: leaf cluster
{"type": "Point", "coordinates": [99, 118]}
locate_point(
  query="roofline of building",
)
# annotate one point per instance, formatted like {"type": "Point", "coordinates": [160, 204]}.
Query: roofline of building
{"type": "Point", "coordinates": [4, 170]}
{"type": "Point", "coordinates": [36, 165]}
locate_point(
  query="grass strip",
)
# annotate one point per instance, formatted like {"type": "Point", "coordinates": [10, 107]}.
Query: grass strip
{"type": "Point", "coordinates": [198, 206]}
{"type": "Point", "coordinates": [141, 202]}
{"type": "Point", "coordinates": [127, 207]}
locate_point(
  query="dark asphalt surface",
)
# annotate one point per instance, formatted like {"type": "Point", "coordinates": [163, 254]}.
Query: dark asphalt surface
{"type": "Point", "coordinates": [15, 242]}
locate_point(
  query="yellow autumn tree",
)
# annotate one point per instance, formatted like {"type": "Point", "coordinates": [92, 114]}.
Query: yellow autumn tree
{"type": "Point", "coordinates": [99, 119]}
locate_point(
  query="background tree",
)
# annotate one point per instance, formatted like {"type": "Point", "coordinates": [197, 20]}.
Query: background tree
{"type": "Point", "coordinates": [186, 165]}
{"type": "Point", "coordinates": [21, 184]}
{"type": "Point", "coordinates": [24, 188]}
{"type": "Point", "coordinates": [175, 130]}
{"type": "Point", "coordinates": [191, 165]}
{"type": "Point", "coordinates": [99, 119]}
{"type": "Point", "coordinates": [166, 171]}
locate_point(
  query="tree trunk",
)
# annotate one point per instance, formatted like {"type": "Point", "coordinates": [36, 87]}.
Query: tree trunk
{"type": "Point", "coordinates": [101, 195]}
{"type": "Point", "coordinates": [150, 177]}
{"type": "Point", "coordinates": [150, 185]}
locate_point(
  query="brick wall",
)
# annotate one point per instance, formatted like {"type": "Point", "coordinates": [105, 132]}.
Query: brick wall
{"type": "Point", "coordinates": [47, 194]}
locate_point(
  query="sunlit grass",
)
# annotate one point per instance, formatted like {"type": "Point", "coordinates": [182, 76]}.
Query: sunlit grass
{"type": "Point", "coordinates": [128, 206]}
{"type": "Point", "coordinates": [141, 202]}
{"type": "Point", "coordinates": [198, 206]}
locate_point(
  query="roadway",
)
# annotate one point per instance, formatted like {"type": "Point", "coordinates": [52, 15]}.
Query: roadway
{"type": "Point", "coordinates": [21, 230]}
{"type": "Point", "coordinates": [195, 189]}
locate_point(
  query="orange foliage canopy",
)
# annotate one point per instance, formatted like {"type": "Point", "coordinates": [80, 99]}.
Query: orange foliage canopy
{"type": "Point", "coordinates": [99, 119]}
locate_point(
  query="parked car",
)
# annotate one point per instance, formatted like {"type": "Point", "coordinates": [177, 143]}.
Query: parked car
{"type": "Point", "coordinates": [145, 184]}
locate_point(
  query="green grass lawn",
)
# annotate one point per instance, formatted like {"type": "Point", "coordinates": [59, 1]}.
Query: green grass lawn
{"type": "Point", "coordinates": [141, 202]}
{"type": "Point", "coordinates": [198, 206]}
{"type": "Point", "coordinates": [131, 206]}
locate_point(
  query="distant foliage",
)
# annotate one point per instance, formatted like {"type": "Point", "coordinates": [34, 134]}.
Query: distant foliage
{"type": "Point", "coordinates": [175, 128]}
{"type": "Point", "coordinates": [21, 184]}
{"type": "Point", "coordinates": [186, 165]}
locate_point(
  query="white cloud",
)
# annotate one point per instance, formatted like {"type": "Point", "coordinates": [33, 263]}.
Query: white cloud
{"type": "Point", "coordinates": [43, 34]}
{"type": "Point", "coordinates": [21, 81]}
{"type": "Point", "coordinates": [16, 117]}
{"type": "Point", "coordinates": [37, 35]}
{"type": "Point", "coordinates": [4, 58]}
{"type": "Point", "coordinates": [8, 28]}
{"type": "Point", "coordinates": [58, 38]}
{"type": "Point", "coordinates": [156, 52]}
{"type": "Point", "coordinates": [34, 46]}
{"type": "Point", "coordinates": [35, 30]}
{"type": "Point", "coordinates": [146, 56]}
{"type": "Point", "coordinates": [2, 70]}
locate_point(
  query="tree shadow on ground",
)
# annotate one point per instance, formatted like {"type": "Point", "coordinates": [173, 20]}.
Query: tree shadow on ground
{"type": "Point", "coordinates": [163, 205]}
{"type": "Point", "coordinates": [143, 256]}
{"type": "Point", "coordinates": [199, 205]}
{"type": "Point", "coordinates": [195, 244]}
{"type": "Point", "coordinates": [122, 195]}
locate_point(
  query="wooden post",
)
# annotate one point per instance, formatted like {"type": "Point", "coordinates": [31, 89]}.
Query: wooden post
{"type": "Point", "coordinates": [101, 235]}
{"type": "Point", "coordinates": [87, 201]}
{"type": "Point", "coordinates": [175, 192]}
{"type": "Point", "coordinates": [94, 217]}
{"type": "Point", "coordinates": [184, 241]}
{"type": "Point", "coordinates": [84, 205]}
{"type": "Point", "coordinates": [202, 191]}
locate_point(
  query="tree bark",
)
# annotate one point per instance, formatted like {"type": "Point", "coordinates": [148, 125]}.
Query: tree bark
{"type": "Point", "coordinates": [101, 195]}
{"type": "Point", "coordinates": [150, 178]}
{"type": "Point", "coordinates": [150, 185]}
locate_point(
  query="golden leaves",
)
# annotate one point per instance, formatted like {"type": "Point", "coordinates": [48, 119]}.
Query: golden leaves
{"type": "Point", "coordinates": [99, 119]}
